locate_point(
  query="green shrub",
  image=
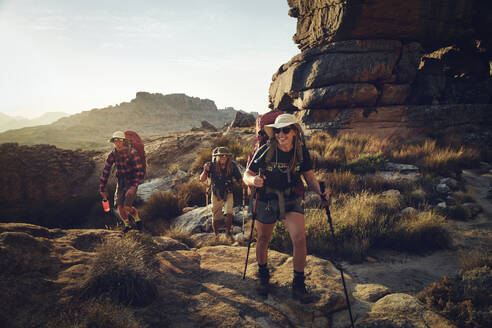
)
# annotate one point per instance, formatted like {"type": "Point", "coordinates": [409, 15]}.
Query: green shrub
{"type": "Point", "coordinates": [120, 272]}
{"type": "Point", "coordinates": [192, 193]}
{"type": "Point", "coordinates": [367, 163]}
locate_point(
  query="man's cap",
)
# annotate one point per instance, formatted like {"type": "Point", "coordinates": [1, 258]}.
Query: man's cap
{"type": "Point", "coordinates": [117, 135]}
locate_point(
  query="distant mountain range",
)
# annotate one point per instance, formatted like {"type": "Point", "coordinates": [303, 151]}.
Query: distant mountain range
{"type": "Point", "coordinates": [16, 122]}
{"type": "Point", "coordinates": [148, 114]}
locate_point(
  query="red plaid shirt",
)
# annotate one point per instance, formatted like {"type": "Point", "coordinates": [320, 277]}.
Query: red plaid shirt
{"type": "Point", "coordinates": [128, 165]}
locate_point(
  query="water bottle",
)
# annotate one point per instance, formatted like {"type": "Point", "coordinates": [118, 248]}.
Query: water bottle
{"type": "Point", "coordinates": [105, 204]}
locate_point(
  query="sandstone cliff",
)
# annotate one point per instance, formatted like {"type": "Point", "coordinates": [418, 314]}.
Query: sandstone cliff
{"type": "Point", "coordinates": [390, 67]}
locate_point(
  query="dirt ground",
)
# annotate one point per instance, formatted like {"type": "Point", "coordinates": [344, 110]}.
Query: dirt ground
{"type": "Point", "coordinates": [406, 273]}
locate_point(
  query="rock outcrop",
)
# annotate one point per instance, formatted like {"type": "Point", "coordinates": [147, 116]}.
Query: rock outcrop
{"type": "Point", "coordinates": [42, 271]}
{"type": "Point", "coordinates": [42, 173]}
{"type": "Point", "coordinates": [390, 68]}
{"type": "Point", "coordinates": [433, 23]}
{"type": "Point", "coordinates": [243, 120]}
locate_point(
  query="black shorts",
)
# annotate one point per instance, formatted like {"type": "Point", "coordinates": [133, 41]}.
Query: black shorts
{"type": "Point", "coordinates": [267, 211]}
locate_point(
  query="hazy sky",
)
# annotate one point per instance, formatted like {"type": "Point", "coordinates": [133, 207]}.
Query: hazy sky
{"type": "Point", "coordinates": [74, 55]}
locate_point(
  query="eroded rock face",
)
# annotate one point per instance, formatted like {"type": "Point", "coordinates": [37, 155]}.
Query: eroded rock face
{"type": "Point", "coordinates": [42, 173]}
{"type": "Point", "coordinates": [433, 23]}
{"type": "Point", "coordinates": [346, 74]}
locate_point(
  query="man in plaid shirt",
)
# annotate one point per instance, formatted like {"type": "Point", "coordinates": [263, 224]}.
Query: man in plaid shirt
{"type": "Point", "coordinates": [129, 172]}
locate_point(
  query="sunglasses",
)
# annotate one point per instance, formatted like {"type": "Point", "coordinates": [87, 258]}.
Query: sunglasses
{"type": "Point", "coordinates": [285, 130]}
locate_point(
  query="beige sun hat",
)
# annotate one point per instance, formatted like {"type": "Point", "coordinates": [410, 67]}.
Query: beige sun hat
{"type": "Point", "coordinates": [281, 121]}
{"type": "Point", "coordinates": [221, 151]}
{"type": "Point", "coordinates": [117, 135]}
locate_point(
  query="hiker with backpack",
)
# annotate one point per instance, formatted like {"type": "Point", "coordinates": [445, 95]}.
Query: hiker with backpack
{"type": "Point", "coordinates": [275, 171]}
{"type": "Point", "coordinates": [130, 171]}
{"type": "Point", "coordinates": [221, 171]}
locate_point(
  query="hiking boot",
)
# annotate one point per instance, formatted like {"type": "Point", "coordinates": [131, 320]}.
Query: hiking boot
{"type": "Point", "coordinates": [126, 229]}
{"type": "Point", "coordinates": [263, 287]}
{"type": "Point", "coordinates": [299, 291]}
{"type": "Point", "coordinates": [138, 225]}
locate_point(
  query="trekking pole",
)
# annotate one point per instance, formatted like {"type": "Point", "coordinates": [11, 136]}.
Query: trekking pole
{"type": "Point", "coordinates": [252, 228]}
{"type": "Point", "coordinates": [338, 266]}
{"type": "Point", "coordinates": [244, 204]}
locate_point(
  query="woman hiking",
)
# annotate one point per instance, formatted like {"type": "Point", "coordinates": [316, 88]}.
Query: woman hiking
{"type": "Point", "coordinates": [281, 162]}
{"type": "Point", "coordinates": [221, 172]}
{"type": "Point", "coordinates": [129, 172]}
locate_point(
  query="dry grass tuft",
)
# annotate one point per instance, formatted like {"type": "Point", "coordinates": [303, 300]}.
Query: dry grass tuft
{"type": "Point", "coordinates": [180, 235]}
{"type": "Point", "coordinates": [432, 158]}
{"type": "Point", "coordinates": [122, 273]}
{"type": "Point", "coordinates": [203, 157]}
{"type": "Point", "coordinates": [221, 239]}
{"type": "Point", "coordinates": [346, 182]}
{"type": "Point", "coordinates": [475, 259]}
{"type": "Point", "coordinates": [162, 206]}
{"type": "Point", "coordinates": [362, 152]}
{"type": "Point", "coordinates": [97, 314]}
{"type": "Point", "coordinates": [364, 221]}
{"type": "Point", "coordinates": [192, 193]}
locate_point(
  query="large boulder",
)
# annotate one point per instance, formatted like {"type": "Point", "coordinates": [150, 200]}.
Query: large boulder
{"type": "Point", "coordinates": [346, 74]}
{"type": "Point", "coordinates": [243, 120]}
{"type": "Point", "coordinates": [433, 23]}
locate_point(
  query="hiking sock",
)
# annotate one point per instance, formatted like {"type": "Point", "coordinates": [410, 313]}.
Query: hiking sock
{"type": "Point", "coordinates": [298, 274]}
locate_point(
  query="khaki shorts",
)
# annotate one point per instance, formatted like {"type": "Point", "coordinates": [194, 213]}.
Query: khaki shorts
{"type": "Point", "coordinates": [119, 195]}
{"type": "Point", "coordinates": [218, 204]}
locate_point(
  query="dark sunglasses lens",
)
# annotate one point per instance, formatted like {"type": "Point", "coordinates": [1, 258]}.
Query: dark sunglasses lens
{"type": "Point", "coordinates": [285, 130]}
